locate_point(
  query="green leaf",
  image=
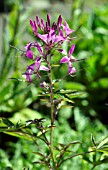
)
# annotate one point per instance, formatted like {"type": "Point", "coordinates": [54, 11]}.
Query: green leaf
{"type": "Point", "coordinates": [105, 160]}
{"type": "Point", "coordinates": [102, 143]}
{"type": "Point", "coordinates": [74, 86]}
{"type": "Point", "coordinates": [62, 91]}
{"type": "Point", "coordinates": [93, 140]}
{"type": "Point", "coordinates": [7, 122]}
{"type": "Point", "coordinates": [3, 129]}
{"type": "Point", "coordinates": [39, 154]}
{"type": "Point", "coordinates": [69, 93]}
{"type": "Point", "coordinates": [63, 97]}
{"type": "Point", "coordinates": [103, 150]}
{"type": "Point", "coordinates": [20, 134]}
{"type": "Point", "coordinates": [44, 131]}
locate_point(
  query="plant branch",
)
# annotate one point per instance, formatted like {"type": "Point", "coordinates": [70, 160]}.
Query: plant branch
{"type": "Point", "coordinates": [72, 156]}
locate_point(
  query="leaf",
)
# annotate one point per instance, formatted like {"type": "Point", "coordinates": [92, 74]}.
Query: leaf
{"type": "Point", "coordinates": [103, 142]}
{"type": "Point", "coordinates": [7, 122]}
{"type": "Point", "coordinates": [44, 131]}
{"type": "Point", "coordinates": [93, 140]}
{"type": "Point", "coordinates": [75, 94]}
{"type": "Point", "coordinates": [39, 162]}
{"type": "Point", "coordinates": [65, 91]}
{"type": "Point", "coordinates": [74, 86]}
{"type": "Point", "coordinates": [69, 94]}
{"type": "Point", "coordinates": [72, 143]}
{"type": "Point", "coordinates": [20, 134]}
{"type": "Point", "coordinates": [40, 154]}
{"type": "Point", "coordinates": [63, 97]}
{"type": "Point", "coordinates": [69, 144]}
{"type": "Point", "coordinates": [3, 129]}
{"type": "Point", "coordinates": [104, 149]}
{"type": "Point", "coordinates": [105, 160]}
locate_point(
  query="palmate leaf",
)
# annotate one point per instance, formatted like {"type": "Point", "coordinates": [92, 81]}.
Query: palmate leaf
{"type": "Point", "coordinates": [14, 129]}
{"type": "Point", "coordinates": [69, 93]}
{"type": "Point", "coordinates": [63, 97]}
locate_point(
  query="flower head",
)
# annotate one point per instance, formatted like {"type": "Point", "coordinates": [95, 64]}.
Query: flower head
{"type": "Point", "coordinates": [51, 36]}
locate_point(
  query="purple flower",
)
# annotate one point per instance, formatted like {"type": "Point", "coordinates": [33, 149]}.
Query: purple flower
{"type": "Point", "coordinates": [34, 27]}
{"type": "Point", "coordinates": [59, 23]}
{"type": "Point", "coordinates": [68, 58]}
{"type": "Point", "coordinates": [51, 34]}
{"type": "Point", "coordinates": [29, 54]}
{"type": "Point", "coordinates": [66, 28]}
{"type": "Point", "coordinates": [44, 85]}
{"type": "Point", "coordinates": [51, 38]}
{"type": "Point", "coordinates": [39, 23]}
{"type": "Point", "coordinates": [71, 69]}
{"type": "Point", "coordinates": [30, 45]}
{"type": "Point", "coordinates": [34, 69]}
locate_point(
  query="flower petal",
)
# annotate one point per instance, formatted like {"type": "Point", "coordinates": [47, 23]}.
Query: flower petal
{"type": "Point", "coordinates": [48, 19]}
{"type": "Point", "coordinates": [33, 25]}
{"type": "Point", "coordinates": [29, 54]}
{"type": "Point", "coordinates": [71, 70]}
{"type": "Point", "coordinates": [59, 21]}
{"type": "Point", "coordinates": [72, 49]}
{"type": "Point", "coordinates": [38, 63]}
{"type": "Point", "coordinates": [44, 68]}
{"type": "Point", "coordinates": [43, 37]}
{"type": "Point", "coordinates": [64, 60]}
{"type": "Point", "coordinates": [62, 51]}
{"type": "Point", "coordinates": [44, 85]}
{"type": "Point", "coordinates": [67, 29]}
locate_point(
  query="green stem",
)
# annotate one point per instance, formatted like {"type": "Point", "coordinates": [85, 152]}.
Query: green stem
{"type": "Point", "coordinates": [52, 115]}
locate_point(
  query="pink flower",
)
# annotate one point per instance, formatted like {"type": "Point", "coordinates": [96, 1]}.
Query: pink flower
{"type": "Point", "coordinates": [51, 38]}
{"type": "Point", "coordinates": [66, 28]}
{"type": "Point", "coordinates": [34, 69]}
{"type": "Point", "coordinates": [68, 58]}
{"type": "Point", "coordinates": [30, 45]}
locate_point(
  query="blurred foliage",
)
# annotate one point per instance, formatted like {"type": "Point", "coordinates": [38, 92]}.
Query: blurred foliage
{"type": "Point", "coordinates": [91, 43]}
{"type": "Point", "coordinates": [20, 101]}
{"type": "Point", "coordinates": [23, 151]}
{"type": "Point", "coordinates": [15, 95]}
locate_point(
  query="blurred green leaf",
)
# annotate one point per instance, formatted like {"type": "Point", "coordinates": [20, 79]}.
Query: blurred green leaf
{"type": "Point", "coordinates": [7, 122]}
{"type": "Point", "coordinates": [102, 143]}
{"type": "Point", "coordinates": [20, 134]}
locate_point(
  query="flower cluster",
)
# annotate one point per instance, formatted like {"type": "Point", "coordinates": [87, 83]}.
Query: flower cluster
{"type": "Point", "coordinates": [49, 36]}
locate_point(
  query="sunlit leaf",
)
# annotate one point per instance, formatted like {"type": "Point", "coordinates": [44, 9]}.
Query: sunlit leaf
{"type": "Point", "coordinates": [102, 143]}
{"type": "Point", "coordinates": [20, 134]}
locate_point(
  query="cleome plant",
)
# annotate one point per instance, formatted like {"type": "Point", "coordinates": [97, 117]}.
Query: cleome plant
{"type": "Point", "coordinates": [41, 63]}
